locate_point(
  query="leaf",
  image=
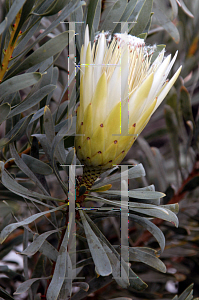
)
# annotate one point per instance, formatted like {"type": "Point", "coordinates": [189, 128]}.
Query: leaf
{"type": "Point", "coordinates": [18, 130]}
{"type": "Point", "coordinates": [16, 6]}
{"type": "Point", "coordinates": [92, 14]}
{"type": "Point", "coordinates": [157, 212]}
{"type": "Point", "coordinates": [32, 100]}
{"type": "Point", "coordinates": [63, 263]}
{"type": "Point", "coordinates": [128, 13]}
{"type": "Point", "coordinates": [49, 125]}
{"type": "Point", "coordinates": [49, 251]}
{"type": "Point", "coordinates": [118, 271]}
{"type": "Point", "coordinates": [5, 294]}
{"type": "Point", "coordinates": [27, 7]}
{"type": "Point", "coordinates": [36, 165]}
{"type": "Point", "coordinates": [50, 48]}
{"type": "Point", "coordinates": [38, 242]}
{"type": "Point", "coordinates": [24, 287]}
{"type": "Point", "coordinates": [139, 255]}
{"type": "Point", "coordinates": [11, 227]}
{"type": "Point", "coordinates": [174, 8]}
{"type": "Point", "coordinates": [17, 83]}
{"type": "Point", "coordinates": [172, 127]}
{"type": "Point", "coordinates": [99, 255]}
{"type": "Point", "coordinates": [134, 172]}
{"type": "Point", "coordinates": [114, 15]}
{"type": "Point", "coordinates": [185, 102]}
{"type": "Point", "coordinates": [23, 167]}
{"type": "Point", "coordinates": [185, 9]}
{"type": "Point", "coordinates": [143, 18]}
{"type": "Point", "coordinates": [152, 228]}
{"type": "Point", "coordinates": [4, 111]}
{"type": "Point", "coordinates": [134, 280]}
{"type": "Point", "coordinates": [186, 292]}
{"type": "Point", "coordinates": [55, 7]}
{"type": "Point", "coordinates": [70, 157]}
{"type": "Point", "coordinates": [18, 189]}
{"type": "Point", "coordinates": [37, 115]}
{"type": "Point", "coordinates": [138, 194]}
{"type": "Point", "coordinates": [94, 285]}
{"type": "Point", "coordinates": [164, 21]}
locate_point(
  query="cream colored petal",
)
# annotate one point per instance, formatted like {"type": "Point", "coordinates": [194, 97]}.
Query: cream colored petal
{"type": "Point", "coordinates": [124, 74]}
{"type": "Point", "coordinates": [157, 61]}
{"type": "Point", "coordinates": [99, 59]}
{"type": "Point", "coordinates": [167, 88]}
{"type": "Point", "coordinates": [159, 78]}
{"type": "Point", "coordinates": [112, 126]}
{"type": "Point", "coordinates": [99, 101]}
{"type": "Point", "coordinates": [97, 141]}
{"type": "Point", "coordinates": [114, 88]}
{"type": "Point", "coordinates": [145, 117]}
{"type": "Point", "coordinates": [82, 68]}
{"type": "Point", "coordinates": [86, 42]}
{"type": "Point", "coordinates": [137, 100]}
{"type": "Point", "coordinates": [170, 65]}
{"type": "Point", "coordinates": [88, 78]}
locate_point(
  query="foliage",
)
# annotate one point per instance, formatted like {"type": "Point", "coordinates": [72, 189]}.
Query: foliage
{"type": "Point", "coordinates": [38, 114]}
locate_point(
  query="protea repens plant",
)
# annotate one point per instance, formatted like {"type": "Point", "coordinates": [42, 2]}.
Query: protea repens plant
{"type": "Point", "coordinates": [114, 74]}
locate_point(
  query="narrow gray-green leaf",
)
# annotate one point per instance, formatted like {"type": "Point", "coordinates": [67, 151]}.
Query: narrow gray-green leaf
{"type": "Point", "coordinates": [91, 14]}
{"type": "Point", "coordinates": [36, 165]}
{"type": "Point", "coordinates": [63, 261]}
{"type": "Point", "coordinates": [142, 18]}
{"type": "Point", "coordinates": [17, 83]}
{"type": "Point", "coordinates": [23, 167]}
{"type": "Point", "coordinates": [186, 10]}
{"type": "Point", "coordinates": [185, 294]}
{"type": "Point", "coordinates": [174, 8]}
{"type": "Point", "coordinates": [70, 156]}
{"type": "Point", "coordinates": [138, 194]}
{"type": "Point", "coordinates": [134, 172]}
{"type": "Point", "coordinates": [134, 280]}
{"type": "Point", "coordinates": [11, 227]}
{"type": "Point", "coordinates": [152, 228]}
{"type": "Point", "coordinates": [136, 254]}
{"type": "Point", "coordinates": [99, 255]}
{"type": "Point", "coordinates": [55, 7]}
{"type": "Point", "coordinates": [18, 189]}
{"type": "Point", "coordinates": [49, 251]}
{"type": "Point", "coordinates": [50, 48]}
{"type": "Point", "coordinates": [114, 15]}
{"type": "Point", "coordinates": [158, 212]}
{"type": "Point", "coordinates": [24, 287]}
{"type": "Point", "coordinates": [19, 129]}
{"type": "Point", "coordinates": [38, 242]}
{"type": "Point", "coordinates": [49, 125]}
{"type": "Point", "coordinates": [4, 111]}
{"type": "Point", "coordinates": [37, 115]}
{"type": "Point", "coordinates": [32, 100]}
{"type": "Point", "coordinates": [164, 21]}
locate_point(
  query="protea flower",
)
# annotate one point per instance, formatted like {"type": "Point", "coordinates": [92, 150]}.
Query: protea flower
{"type": "Point", "coordinates": [115, 74]}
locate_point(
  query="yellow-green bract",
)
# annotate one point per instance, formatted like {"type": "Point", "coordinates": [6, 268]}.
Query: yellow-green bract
{"type": "Point", "coordinates": [114, 75]}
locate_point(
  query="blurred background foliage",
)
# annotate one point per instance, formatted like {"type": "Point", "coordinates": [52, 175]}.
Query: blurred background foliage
{"type": "Point", "coordinates": [37, 76]}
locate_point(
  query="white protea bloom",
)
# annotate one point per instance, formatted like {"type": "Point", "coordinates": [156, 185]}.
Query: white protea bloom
{"type": "Point", "coordinates": [115, 74]}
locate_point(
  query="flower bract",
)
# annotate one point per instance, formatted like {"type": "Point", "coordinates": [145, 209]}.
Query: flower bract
{"type": "Point", "coordinates": [120, 88]}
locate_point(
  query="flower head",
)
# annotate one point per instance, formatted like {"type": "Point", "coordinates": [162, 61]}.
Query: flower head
{"type": "Point", "coordinates": [119, 87]}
